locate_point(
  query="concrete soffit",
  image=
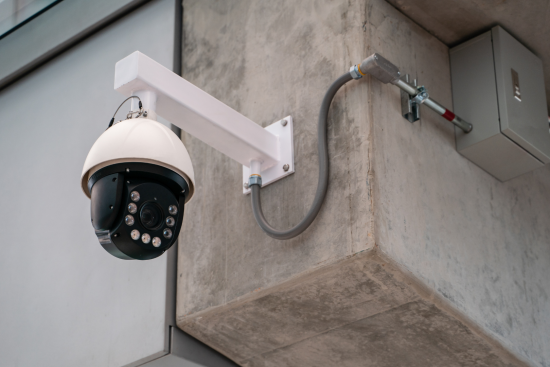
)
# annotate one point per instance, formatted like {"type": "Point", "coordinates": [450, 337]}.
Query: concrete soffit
{"type": "Point", "coordinates": [396, 296]}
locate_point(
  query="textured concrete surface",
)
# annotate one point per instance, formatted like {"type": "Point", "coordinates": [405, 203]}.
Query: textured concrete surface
{"type": "Point", "coordinates": [456, 21]}
{"type": "Point", "coordinates": [401, 187]}
{"type": "Point", "coordinates": [483, 244]}
{"type": "Point", "coordinates": [415, 334]}
{"type": "Point", "coordinates": [267, 61]}
{"type": "Point", "coordinates": [362, 311]}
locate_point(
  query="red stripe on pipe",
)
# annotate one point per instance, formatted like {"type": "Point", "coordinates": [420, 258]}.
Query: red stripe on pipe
{"type": "Point", "coordinates": [449, 115]}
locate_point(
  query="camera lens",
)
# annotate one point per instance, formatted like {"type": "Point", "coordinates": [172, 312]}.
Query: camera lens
{"type": "Point", "coordinates": [150, 215]}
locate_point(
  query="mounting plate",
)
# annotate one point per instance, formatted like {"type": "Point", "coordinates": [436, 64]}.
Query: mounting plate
{"type": "Point", "coordinates": [284, 134]}
{"type": "Point", "coordinates": [410, 108]}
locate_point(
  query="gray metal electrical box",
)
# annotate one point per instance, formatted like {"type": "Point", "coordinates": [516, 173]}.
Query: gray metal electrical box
{"type": "Point", "coordinates": [498, 86]}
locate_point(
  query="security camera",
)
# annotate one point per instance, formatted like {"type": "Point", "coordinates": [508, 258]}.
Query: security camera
{"type": "Point", "coordinates": [139, 176]}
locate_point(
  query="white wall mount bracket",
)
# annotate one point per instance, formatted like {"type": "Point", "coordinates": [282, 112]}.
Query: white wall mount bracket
{"type": "Point", "coordinates": [283, 130]}
{"type": "Point", "coordinates": [208, 119]}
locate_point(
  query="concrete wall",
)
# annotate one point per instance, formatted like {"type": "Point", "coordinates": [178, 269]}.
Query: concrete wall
{"type": "Point", "coordinates": [268, 60]}
{"type": "Point", "coordinates": [482, 244]}
{"type": "Point", "coordinates": [397, 186]}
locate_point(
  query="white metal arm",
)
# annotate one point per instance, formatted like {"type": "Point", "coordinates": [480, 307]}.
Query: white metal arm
{"type": "Point", "coordinates": [208, 119]}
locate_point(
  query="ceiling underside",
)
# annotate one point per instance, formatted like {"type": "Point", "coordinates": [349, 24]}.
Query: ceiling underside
{"type": "Point", "coordinates": [363, 311]}
{"type": "Point", "coordinates": [456, 21]}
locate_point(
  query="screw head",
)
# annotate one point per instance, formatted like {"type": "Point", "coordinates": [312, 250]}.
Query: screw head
{"type": "Point", "coordinates": [245, 185]}
{"type": "Point", "coordinates": [284, 122]}
{"type": "Point", "coordinates": [286, 167]}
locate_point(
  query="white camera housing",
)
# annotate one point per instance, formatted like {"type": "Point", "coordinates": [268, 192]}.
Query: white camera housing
{"type": "Point", "coordinates": [139, 140]}
{"type": "Point", "coordinates": [138, 176]}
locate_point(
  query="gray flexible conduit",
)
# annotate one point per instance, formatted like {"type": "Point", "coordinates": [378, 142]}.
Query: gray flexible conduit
{"type": "Point", "coordinates": [322, 184]}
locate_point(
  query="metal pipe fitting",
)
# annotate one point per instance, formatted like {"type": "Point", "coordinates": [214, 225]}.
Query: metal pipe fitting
{"type": "Point", "coordinates": [449, 115]}
{"type": "Point", "coordinates": [255, 180]}
{"type": "Point", "coordinates": [387, 72]}
{"type": "Point", "coordinates": [432, 104]}
{"type": "Point", "coordinates": [380, 68]}
{"type": "Point", "coordinates": [355, 72]}
{"type": "Point", "coordinates": [411, 89]}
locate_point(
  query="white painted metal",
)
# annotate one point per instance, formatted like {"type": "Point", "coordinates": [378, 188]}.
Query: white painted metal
{"type": "Point", "coordinates": [139, 140]}
{"type": "Point", "coordinates": [148, 99]}
{"type": "Point", "coordinates": [202, 115]}
{"type": "Point", "coordinates": [255, 167]}
{"type": "Point", "coordinates": [275, 173]}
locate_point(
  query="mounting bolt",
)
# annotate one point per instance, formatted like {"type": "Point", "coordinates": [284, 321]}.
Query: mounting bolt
{"type": "Point", "coordinates": [245, 185]}
{"type": "Point", "coordinates": [284, 122]}
{"type": "Point", "coordinates": [286, 167]}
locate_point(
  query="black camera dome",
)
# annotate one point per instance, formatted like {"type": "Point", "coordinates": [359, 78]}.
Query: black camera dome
{"type": "Point", "coordinates": [137, 209]}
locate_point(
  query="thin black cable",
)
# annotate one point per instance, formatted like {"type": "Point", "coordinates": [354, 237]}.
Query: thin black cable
{"type": "Point", "coordinates": [113, 119]}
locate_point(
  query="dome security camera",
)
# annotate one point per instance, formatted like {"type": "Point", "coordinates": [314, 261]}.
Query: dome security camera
{"type": "Point", "coordinates": [139, 176]}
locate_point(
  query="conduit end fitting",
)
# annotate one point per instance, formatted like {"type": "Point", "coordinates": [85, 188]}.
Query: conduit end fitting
{"type": "Point", "coordinates": [355, 72]}
{"type": "Point", "coordinates": [380, 68]}
{"type": "Point", "coordinates": [255, 180]}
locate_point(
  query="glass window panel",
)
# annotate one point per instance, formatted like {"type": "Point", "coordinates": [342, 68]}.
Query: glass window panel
{"type": "Point", "coordinates": [14, 13]}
